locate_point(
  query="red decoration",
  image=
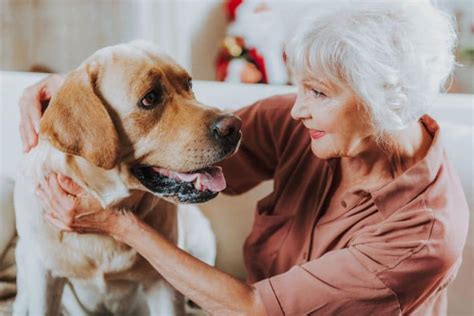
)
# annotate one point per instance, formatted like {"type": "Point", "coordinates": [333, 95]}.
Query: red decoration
{"type": "Point", "coordinates": [248, 53]}
{"type": "Point", "coordinates": [231, 7]}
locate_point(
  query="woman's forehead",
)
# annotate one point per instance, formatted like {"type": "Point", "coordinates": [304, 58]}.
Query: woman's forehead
{"type": "Point", "coordinates": [312, 80]}
{"type": "Point", "coordinates": [319, 79]}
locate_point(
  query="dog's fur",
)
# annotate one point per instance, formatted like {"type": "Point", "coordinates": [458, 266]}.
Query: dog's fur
{"type": "Point", "coordinates": [94, 132]}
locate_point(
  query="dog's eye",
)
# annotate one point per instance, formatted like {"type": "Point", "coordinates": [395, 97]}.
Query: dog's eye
{"type": "Point", "coordinates": [190, 84]}
{"type": "Point", "coordinates": [151, 99]}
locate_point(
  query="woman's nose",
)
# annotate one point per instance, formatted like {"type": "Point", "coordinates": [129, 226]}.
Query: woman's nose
{"type": "Point", "coordinates": [299, 110]}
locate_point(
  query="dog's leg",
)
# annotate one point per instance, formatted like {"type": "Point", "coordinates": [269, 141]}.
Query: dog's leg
{"type": "Point", "coordinates": [39, 292]}
{"type": "Point", "coordinates": [20, 307]}
{"type": "Point", "coordinates": [164, 300]}
{"type": "Point", "coordinates": [195, 234]}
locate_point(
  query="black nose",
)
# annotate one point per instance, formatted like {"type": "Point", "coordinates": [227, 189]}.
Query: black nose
{"type": "Point", "coordinates": [226, 129]}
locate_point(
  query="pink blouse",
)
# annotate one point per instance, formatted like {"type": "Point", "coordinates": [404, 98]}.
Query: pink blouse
{"type": "Point", "coordinates": [390, 251]}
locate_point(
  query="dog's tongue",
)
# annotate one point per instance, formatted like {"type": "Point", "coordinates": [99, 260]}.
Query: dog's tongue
{"type": "Point", "coordinates": [213, 179]}
{"type": "Point", "coordinates": [210, 178]}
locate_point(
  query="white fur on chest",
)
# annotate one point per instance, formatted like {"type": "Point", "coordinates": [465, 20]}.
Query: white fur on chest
{"type": "Point", "coordinates": [67, 254]}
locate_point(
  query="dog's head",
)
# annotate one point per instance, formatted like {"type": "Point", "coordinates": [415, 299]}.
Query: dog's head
{"type": "Point", "coordinates": [131, 107]}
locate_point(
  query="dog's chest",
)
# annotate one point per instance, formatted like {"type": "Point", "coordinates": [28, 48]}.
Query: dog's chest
{"type": "Point", "coordinates": [86, 256]}
{"type": "Point", "coordinates": [68, 254]}
{"type": "Point", "coordinates": [82, 256]}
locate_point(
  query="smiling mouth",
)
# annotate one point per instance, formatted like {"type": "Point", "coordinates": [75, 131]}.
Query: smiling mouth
{"type": "Point", "coordinates": [315, 134]}
{"type": "Point", "coordinates": [187, 187]}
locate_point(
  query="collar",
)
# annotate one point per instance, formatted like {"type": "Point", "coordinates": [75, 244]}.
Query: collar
{"type": "Point", "coordinates": [414, 180]}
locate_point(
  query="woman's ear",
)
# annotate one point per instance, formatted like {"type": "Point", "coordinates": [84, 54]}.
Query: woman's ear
{"type": "Point", "coordinates": [77, 122]}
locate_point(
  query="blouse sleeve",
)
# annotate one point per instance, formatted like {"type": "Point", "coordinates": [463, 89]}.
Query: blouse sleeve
{"type": "Point", "coordinates": [389, 269]}
{"type": "Point", "coordinates": [335, 284]}
{"type": "Point", "coordinates": [264, 125]}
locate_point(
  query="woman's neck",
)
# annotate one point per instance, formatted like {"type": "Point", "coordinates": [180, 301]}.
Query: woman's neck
{"type": "Point", "coordinates": [373, 164]}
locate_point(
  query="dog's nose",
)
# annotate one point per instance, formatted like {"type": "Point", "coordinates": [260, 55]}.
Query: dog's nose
{"type": "Point", "coordinates": [226, 129]}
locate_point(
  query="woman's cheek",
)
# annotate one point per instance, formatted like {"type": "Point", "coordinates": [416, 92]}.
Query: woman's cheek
{"type": "Point", "coordinates": [332, 143]}
{"type": "Point", "coordinates": [327, 121]}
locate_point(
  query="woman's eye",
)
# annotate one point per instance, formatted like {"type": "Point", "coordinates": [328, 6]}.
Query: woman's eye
{"type": "Point", "coordinates": [151, 99]}
{"type": "Point", "coordinates": [318, 94]}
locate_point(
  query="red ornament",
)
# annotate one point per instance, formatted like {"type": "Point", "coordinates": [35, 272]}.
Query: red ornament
{"type": "Point", "coordinates": [260, 63]}
{"type": "Point", "coordinates": [231, 7]}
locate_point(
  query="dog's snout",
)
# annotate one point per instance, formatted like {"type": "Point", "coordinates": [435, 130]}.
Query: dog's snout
{"type": "Point", "coordinates": [226, 129]}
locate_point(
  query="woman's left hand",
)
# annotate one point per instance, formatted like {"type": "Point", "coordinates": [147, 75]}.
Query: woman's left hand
{"type": "Point", "coordinates": [70, 208]}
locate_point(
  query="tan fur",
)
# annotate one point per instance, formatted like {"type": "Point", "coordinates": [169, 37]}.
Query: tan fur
{"type": "Point", "coordinates": [77, 122]}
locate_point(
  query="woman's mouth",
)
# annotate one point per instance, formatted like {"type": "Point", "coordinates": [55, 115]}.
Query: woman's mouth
{"type": "Point", "coordinates": [315, 134]}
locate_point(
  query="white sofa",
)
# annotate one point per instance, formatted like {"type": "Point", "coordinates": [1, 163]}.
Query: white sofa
{"type": "Point", "coordinates": [231, 217]}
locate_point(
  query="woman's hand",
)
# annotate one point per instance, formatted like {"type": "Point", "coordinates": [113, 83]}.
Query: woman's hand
{"type": "Point", "coordinates": [31, 108]}
{"type": "Point", "coordinates": [70, 208]}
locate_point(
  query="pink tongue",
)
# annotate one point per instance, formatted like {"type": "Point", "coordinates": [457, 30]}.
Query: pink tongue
{"type": "Point", "coordinates": [212, 178]}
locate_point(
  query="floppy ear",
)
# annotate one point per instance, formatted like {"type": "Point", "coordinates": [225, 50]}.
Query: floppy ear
{"type": "Point", "coordinates": [77, 122]}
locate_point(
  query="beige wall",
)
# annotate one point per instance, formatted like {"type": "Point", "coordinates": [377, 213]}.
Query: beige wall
{"type": "Point", "coordinates": [59, 34]}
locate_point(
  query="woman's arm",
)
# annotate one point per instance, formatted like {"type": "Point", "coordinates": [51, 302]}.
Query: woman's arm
{"type": "Point", "coordinates": [215, 291]}
{"type": "Point", "coordinates": [71, 209]}
{"type": "Point", "coordinates": [266, 128]}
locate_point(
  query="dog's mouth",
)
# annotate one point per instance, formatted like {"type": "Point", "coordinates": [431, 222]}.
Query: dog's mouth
{"type": "Point", "coordinates": [187, 187]}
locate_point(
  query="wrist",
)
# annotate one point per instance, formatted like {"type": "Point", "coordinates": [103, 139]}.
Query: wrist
{"type": "Point", "coordinates": [122, 225]}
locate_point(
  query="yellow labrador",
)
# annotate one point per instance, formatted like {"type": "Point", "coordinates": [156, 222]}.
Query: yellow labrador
{"type": "Point", "coordinates": [126, 127]}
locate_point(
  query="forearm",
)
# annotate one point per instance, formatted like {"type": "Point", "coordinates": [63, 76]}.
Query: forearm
{"type": "Point", "coordinates": [212, 289]}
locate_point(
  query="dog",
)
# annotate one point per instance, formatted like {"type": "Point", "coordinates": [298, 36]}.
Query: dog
{"type": "Point", "coordinates": [127, 128]}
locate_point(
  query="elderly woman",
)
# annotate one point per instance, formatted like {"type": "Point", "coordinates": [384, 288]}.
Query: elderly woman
{"type": "Point", "coordinates": [367, 215]}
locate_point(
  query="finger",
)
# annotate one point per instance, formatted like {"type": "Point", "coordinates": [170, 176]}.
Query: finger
{"type": "Point", "coordinates": [30, 110]}
{"type": "Point", "coordinates": [68, 185]}
{"type": "Point", "coordinates": [55, 187]}
{"type": "Point", "coordinates": [36, 111]}
{"type": "Point", "coordinates": [48, 196]}
{"type": "Point", "coordinates": [79, 216]}
{"type": "Point", "coordinates": [58, 189]}
{"type": "Point", "coordinates": [30, 105]}
{"type": "Point", "coordinates": [57, 223]}
{"type": "Point", "coordinates": [54, 215]}
{"type": "Point", "coordinates": [25, 130]}
{"type": "Point", "coordinates": [50, 210]}
{"type": "Point", "coordinates": [32, 135]}
{"type": "Point", "coordinates": [45, 189]}
{"type": "Point", "coordinates": [24, 138]}
{"type": "Point", "coordinates": [48, 207]}
{"type": "Point", "coordinates": [44, 199]}
{"type": "Point", "coordinates": [65, 203]}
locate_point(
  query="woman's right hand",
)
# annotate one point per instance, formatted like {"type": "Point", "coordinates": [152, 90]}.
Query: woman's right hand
{"type": "Point", "coordinates": [31, 108]}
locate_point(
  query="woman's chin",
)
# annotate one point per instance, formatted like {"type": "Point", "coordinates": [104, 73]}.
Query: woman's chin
{"type": "Point", "coordinates": [324, 150]}
{"type": "Point", "coordinates": [322, 153]}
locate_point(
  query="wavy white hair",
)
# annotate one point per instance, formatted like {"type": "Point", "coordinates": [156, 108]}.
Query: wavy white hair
{"type": "Point", "coordinates": [395, 55]}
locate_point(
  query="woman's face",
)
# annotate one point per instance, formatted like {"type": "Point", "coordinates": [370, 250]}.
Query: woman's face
{"type": "Point", "coordinates": [338, 127]}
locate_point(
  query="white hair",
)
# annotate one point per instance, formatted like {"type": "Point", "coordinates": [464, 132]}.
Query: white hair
{"type": "Point", "coordinates": [394, 55]}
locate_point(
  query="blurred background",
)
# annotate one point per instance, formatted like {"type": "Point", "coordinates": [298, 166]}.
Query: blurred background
{"type": "Point", "coordinates": [224, 40]}
{"type": "Point", "coordinates": [227, 40]}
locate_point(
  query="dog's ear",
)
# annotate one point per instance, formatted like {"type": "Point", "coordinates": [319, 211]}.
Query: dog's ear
{"type": "Point", "coordinates": [77, 122]}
